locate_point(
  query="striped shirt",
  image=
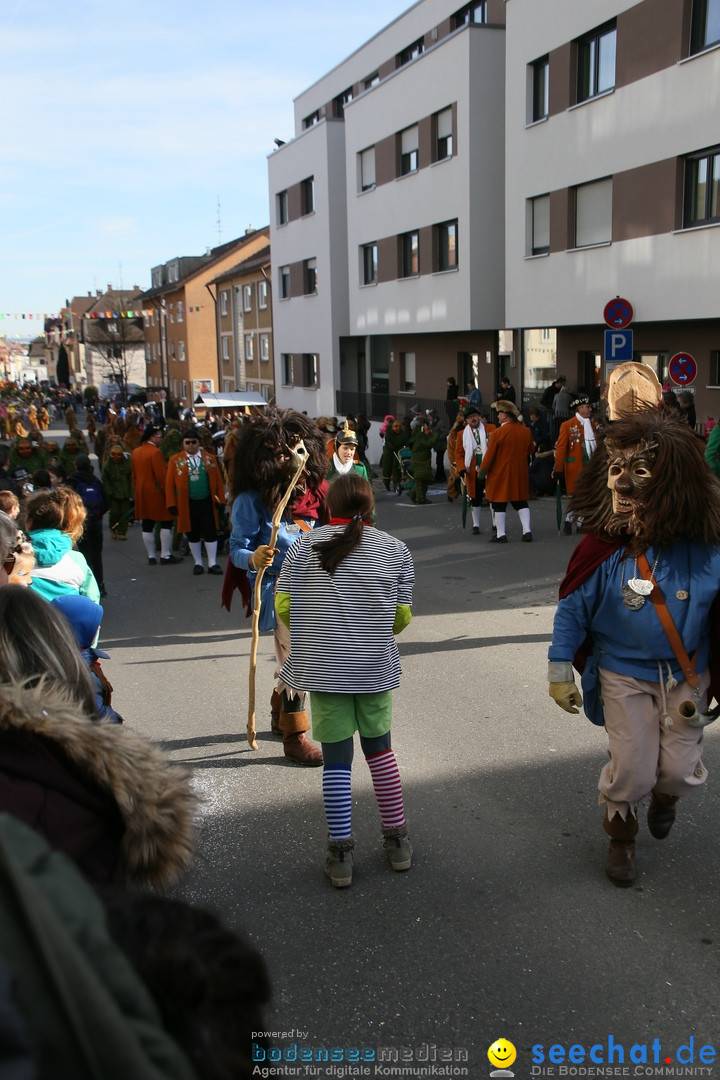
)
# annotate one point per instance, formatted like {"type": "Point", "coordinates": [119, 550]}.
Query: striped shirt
{"type": "Point", "coordinates": [341, 624]}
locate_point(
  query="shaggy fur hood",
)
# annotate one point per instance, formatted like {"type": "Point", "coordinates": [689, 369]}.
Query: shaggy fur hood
{"type": "Point", "coordinates": [153, 795]}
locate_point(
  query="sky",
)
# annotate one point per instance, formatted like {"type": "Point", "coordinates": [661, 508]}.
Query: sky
{"type": "Point", "coordinates": [133, 133]}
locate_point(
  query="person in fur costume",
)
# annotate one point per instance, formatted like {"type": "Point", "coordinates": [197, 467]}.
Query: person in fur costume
{"type": "Point", "coordinates": [651, 510]}
{"type": "Point", "coordinates": [103, 795]}
{"type": "Point", "coordinates": [262, 470]}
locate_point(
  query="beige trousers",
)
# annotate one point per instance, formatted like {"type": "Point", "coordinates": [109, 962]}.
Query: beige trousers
{"type": "Point", "coordinates": [644, 753]}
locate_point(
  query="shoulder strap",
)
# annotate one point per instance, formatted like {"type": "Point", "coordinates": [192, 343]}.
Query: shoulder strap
{"type": "Point", "coordinates": [663, 614]}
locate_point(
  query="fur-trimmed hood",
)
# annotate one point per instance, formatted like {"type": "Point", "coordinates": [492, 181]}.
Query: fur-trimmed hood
{"type": "Point", "coordinates": [153, 795]}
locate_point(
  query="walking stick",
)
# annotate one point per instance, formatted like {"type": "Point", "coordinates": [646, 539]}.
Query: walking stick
{"type": "Point", "coordinates": [298, 457]}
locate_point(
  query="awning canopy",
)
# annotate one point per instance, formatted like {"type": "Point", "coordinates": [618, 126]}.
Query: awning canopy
{"type": "Point", "coordinates": [235, 400]}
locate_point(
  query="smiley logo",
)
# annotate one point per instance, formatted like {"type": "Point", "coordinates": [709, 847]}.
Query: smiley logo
{"type": "Point", "coordinates": [502, 1054]}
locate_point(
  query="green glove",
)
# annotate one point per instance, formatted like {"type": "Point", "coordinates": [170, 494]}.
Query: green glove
{"type": "Point", "coordinates": [562, 688]}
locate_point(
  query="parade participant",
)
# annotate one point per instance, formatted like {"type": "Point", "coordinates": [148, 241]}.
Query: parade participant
{"type": "Point", "coordinates": [422, 441]}
{"type": "Point", "coordinates": [27, 454]}
{"type": "Point", "coordinates": [506, 466]}
{"type": "Point", "coordinates": [576, 441]}
{"type": "Point", "coordinates": [343, 459]}
{"type": "Point", "coordinates": [455, 456]}
{"type": "Point", "coordinates": [474, 444]}
{"type": "Point", "coordinates": [117, 479]}
{"type": "Point", "coordinates": [351, 585]}
{"type": "Point", "coordinates": [395, 439]}
{"type": "Point", "coordinates": [74, 445]}
{"type": "Point", "coordinates": [148, 477]}
{"type": "Point", "coordinates": [261, 472]}
{"type": "Point", "coordinates": [194, 492]}
{"type": "Point", "coordinates": [635, 605]}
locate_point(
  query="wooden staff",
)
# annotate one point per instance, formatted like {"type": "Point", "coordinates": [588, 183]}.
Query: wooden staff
{"type": "Point", "coordinates": [298, 457]}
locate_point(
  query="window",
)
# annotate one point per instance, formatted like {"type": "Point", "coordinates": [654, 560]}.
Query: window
{"type": "Point", "coordinates": [407, 371]}
{"type": "Point", "coordinates": [366, 163]}
{"type": "Point", "coordinates": [264, 346]}
{"type": "Point", "coordinates": [443, 135]}
{"type": "Point", "coordinates": [181, 350]}
{"type": "Point", "coordinates": [410, 254]}
{"type": "Point", "coordinates": [702, 188]}
{"type": "Point", "coordinates": [593, 213]}
{"type": "Point", "coordinates": [471, 13]}
{"type": "Point", "coordinates": [247, 297]}
{"type": "Point", "coordinates": [540, 225]}
{"type": "Point", "coordinates": [287, 367]}
{"type": "Point", "coordinates": [310, 276]}
{"type": "Point", "coordinates": [284, 273]}
{"type": "Point", "coordinates": [309, 370]}
{"type": "Point", "coordinates": [368, 264]}
{"type": "Point", "coordinates": [446, 236]}
{"type": "Point", "coordinates": [539, 88]}
{"type": "Point", "coordinates": [223, 303]}
{"type": "Point", "coordinates": [341, 101]}
{"type": "Point", "coordinates": [705, 25]}
{"type": "Point", "coordinates": [262, 291]}
{"type": "Point", "coordinates": [307, 195]}
{"type": "Point", "coordinates": [249, 347]}
{"type": "Point", "coordinates": [411, 53]}
{"type": "Point", "coordinates": [596, 62]}
{"type": "Point", "coordinates": [715, 367]}
{"type": "Point", "coordinates": [372, 80]}
{"type": "Point", "coordinates": [409, 150]}
{"type": "Point", "coordinates": [311, 120]}
{"type": "Point", "coordinates": [179, 312]}
{"type": "Point", "coordinates": [282, 208]}
{"type": "Point", "coordinates": [226, 348]}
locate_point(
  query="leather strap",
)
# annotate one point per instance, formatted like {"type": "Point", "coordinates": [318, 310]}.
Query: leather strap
{"type": "Point", "coordinates": [663, 614]}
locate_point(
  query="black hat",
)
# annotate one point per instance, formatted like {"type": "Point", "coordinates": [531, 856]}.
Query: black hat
{"type": "Point", "coordinates": [583, 399]}
{"type": "Point", "coordinates": [191, 433]}
{"type": "Point", "coordinates": [471, 410]}
{"type": "Point", "coordinates": [346, 435]}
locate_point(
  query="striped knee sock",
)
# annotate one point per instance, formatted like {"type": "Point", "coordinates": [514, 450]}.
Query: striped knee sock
{"type": "Point", "coordinates": [337, 799]}
{"type": "Point", "coordinates": [388, 788]}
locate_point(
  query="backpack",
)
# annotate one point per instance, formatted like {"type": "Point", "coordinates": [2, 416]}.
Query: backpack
{"type": "Point", "coordinates": [91, 493]}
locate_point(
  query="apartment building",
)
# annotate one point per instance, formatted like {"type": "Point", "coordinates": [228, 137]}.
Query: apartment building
{"type": "Point", "coordinates": [244, 326]}
{"type": "Point", "coordinates": [180, 328]}
{"type": "Point", "coordinates": [613, 186]}
{"type": "Point", "coordinates": [387, 218]}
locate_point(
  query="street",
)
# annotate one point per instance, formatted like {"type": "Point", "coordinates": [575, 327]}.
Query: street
{"type": "Point", "coordinates": [506, 926]}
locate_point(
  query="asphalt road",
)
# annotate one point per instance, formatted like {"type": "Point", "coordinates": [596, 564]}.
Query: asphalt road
{"type": "Point", "coordinates": [506, 926]}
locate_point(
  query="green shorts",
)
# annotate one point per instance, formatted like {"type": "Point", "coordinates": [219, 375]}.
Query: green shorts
{"type": "Point", "coordinates": [338, 716]}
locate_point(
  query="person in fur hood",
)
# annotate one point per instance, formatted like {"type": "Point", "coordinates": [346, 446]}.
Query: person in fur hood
{"type": "Point", "coordinates": [100, 793]}
{"type": "Point", "coordinates": [639, 599]}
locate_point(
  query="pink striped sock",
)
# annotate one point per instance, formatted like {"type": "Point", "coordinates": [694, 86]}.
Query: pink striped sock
{"type": "Point", "coordinates": [388, 788]}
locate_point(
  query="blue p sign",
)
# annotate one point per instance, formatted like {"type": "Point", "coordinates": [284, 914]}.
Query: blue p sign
{"type": "Point", "coordinates": [618, 345]}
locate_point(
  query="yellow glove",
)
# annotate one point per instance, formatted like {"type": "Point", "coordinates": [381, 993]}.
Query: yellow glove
{"type": "Point", "coordinates": [262, 556]}
{"type": "Point", "coordinates": [567, 695]}
{"type": "Point", "coordinates": [562, 688]}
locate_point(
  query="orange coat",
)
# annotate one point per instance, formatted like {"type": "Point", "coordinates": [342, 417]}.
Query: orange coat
{"type": "Point", "coordinates": [506, 463]}
{"type": "Point", "coordinates": [461, 458]}
{"type": "Point", "coordinates": [148, 477]}
{"type": "Point", "coordinates": [177, 487]}
{"type": "Point", "coordinates": [570, 457]}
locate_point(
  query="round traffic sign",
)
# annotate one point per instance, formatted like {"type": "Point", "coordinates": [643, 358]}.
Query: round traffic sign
{"type": "Point", "coordinates": [618, 313]}
{"type": "Point", "coordinates": [682, 369]}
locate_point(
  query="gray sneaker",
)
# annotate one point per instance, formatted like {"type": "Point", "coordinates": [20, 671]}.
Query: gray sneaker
{"type": "Point", "coordinates": [339, 862]}
{"type": "Point", "coordinates": [398, 848]}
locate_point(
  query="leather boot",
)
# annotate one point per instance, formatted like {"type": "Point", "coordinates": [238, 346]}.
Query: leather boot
{"type": "Point", "coordinates": [275, 710]}
{"type": "Point", "coordinates": [661, 814]}
{"type": "Point", "coordinates": [620, 861]}
{"type": "Point", "coordinates": [293, 726]}
{"type": "Point", "coordinates": [299, 748]}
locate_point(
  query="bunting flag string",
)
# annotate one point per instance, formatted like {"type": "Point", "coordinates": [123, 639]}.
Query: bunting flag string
{"type": "Point", "coordinates": [131, 314]}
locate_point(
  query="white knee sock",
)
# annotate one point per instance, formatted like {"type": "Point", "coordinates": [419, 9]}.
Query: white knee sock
{"type": "Point", "coordinates": [165, 543]}
{"type": "Point", "coordinates": [196, 552]}
{"type": "Point", "coordinates": [476, 517]}
{"type": "Point", "coordinates": [149, 542]}
{"type": "Point", "coordinates": [524, 516]}
{"type": "Point", "coordinates": [500, 516]}
{"type": "Point", "coordinates": [211, 549]}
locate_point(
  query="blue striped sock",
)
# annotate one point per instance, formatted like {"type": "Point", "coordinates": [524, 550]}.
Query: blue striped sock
{"type": "Point", "coordinates": [338, 800]}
